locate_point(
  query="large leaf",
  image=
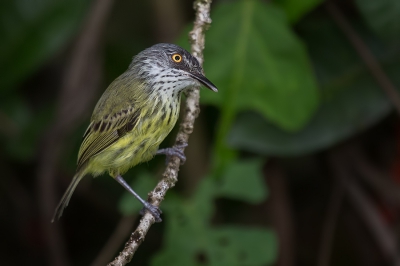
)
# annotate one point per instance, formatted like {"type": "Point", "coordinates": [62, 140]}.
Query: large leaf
{"type": "Point", "coordinates": [383, 16]}
{"type": "Point", "coordinates": [230, 246]}
{"type": "Point", "coordinates": [223, 246]}
{"type": "Point", "coordinates": [189, 229]}
{"type": "Point", "coordinates": [296, 9]}
{"type": "Point", "coordinates": [352, 101]}
{"type": "Point", "coordinates": [259, 64]}
{"type": "Point", "coordinates": [243, 180]}
{"type": "Point", "coordinates": [31, 32]}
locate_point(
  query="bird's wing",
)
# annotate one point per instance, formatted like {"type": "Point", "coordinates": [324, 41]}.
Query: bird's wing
{"type": "Point", "coordinates": [116, 113]}
{"type": "Point", "coordinates": [102, 133]}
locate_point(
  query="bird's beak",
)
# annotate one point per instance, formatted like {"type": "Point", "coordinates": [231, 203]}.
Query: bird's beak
{"type": "Point", "coordinates": [203, 80]}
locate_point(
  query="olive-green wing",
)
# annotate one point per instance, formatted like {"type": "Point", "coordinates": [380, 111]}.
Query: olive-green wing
{"type": "Point", "coordinates": [104, 132]}
{"type": "Point", "coordinates": [116, 113]}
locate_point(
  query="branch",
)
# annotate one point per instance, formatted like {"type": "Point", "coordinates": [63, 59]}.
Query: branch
{"type": "Point", "coordinates": [376, 179]}
{"type": "Point", "coordinates": [192, 110]}
{"type": "Point", "coordinates": [384, 236]}
{"type": "Point", "coordinates": [280, 208]}
{"type": "Point", "coordinates": [366, 55]}
{"type": "Point", "coordinates": [331, 217]}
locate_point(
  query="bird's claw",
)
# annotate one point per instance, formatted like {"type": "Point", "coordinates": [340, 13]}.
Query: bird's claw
{"type": "Point", "coordinates": [174, 151]}
{"type": "Point", "coordinates": [154, 210]}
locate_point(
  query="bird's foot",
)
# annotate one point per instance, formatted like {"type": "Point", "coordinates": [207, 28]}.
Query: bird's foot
{"type": "Point", "coordinates": [174, 151]}
{"type": "Point", "coordinates": [154, 210]}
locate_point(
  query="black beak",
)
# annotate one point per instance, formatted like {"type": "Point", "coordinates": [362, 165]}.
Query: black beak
{"type": "Point", "coordinates": [203, 80]}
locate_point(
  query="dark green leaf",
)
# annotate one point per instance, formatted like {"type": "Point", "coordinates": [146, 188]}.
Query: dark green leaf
{"type": "Point", "coordinates": [259, 64]}
{"type": "Point", "coordinates": [383, 16]}
{"type": "Point", "coordinates": [189, 230]}
{"type": "Point", "coordinates": [224, 246]}
{"type": "Point", "coordinates": [31, 32]}
{"type": "Point", "coordinates": [352, 101]}
{"type": "Point", "coordinates": [243, 180]}
{"type": "Point", "coordinates": [230, 246]}
{"type": "Point", "coordinates": [296, 9]}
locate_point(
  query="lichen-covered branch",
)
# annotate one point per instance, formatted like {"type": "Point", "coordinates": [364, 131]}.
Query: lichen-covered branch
{"type": "Point", "coordinates": [192, 109]}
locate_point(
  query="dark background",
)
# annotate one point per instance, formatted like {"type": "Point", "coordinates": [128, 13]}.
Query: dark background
{"type": "Point", "coordinates": [295, 161]}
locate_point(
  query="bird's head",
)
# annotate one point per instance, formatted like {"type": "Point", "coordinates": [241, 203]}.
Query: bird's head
{"type": "Point", "coordinates": [168, 67]}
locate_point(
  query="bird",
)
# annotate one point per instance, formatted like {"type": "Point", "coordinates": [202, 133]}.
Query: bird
{"type": "Point", "coordinates": [134, 115]}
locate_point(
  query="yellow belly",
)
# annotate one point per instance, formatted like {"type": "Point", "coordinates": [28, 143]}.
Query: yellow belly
{"type": "Point", "coordinates": [139, 145]}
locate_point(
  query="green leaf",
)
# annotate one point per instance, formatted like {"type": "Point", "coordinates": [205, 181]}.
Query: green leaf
{"type": "Point", "coordinates": [383, 16]}
{"type": "Point", "coordinates": [186, 230]}
{"type": "Point", "coordinates": [142, 185]}
{"type": "Point", "coordinates": [31, 32]}
{"type": "Point", "coordinates": [296, 9]}
{"type": "Point", "coordinates": [190, 239]}
{"type": "Point", "coordinates": [258, 64]}
{"type": "Point", "coordinates": [352, 101]}
{"type": "Point", "coordinates": [220, 246]}
{"type": "Point", "coordinates": [239, 246]}
{"type": "Point", "coordinates": [243, 180]}
{"type": "Point", "coordinates": [202, 202]}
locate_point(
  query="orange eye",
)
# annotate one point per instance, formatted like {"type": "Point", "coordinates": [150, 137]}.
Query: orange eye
{"type": "Point", "coordinates": [177, 58]}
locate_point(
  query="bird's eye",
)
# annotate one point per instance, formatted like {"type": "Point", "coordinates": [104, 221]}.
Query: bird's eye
{"type": "Point", "coordinates": [177, 58]}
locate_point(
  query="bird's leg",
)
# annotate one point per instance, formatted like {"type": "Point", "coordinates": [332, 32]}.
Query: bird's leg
{"type": "Point", "coordinates": [154, 210]}
{"type": "Point", "coordinates": [174, 151]}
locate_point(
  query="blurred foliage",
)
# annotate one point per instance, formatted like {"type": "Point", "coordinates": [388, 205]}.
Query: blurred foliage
{"type": "Point", "coordinates": [32, 31]}
{"type": "Point", "coordinates": [124, 38]}
{"type": "Point", "coordinates": [289, 84]}
{"type": "Point", "coordinates": [382, 16]}
{"type": "Point", "coordinates": [189, 229]}
{"type": "Point", "coordinates": [351, 99]}
{"type": "Point", "coordinates": [295, 9]}
{"type": "Point", "coordinates": [25, 128]}
{"type": "Point", "coordinates": [252, 51]}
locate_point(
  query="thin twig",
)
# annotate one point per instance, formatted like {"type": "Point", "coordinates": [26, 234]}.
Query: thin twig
{"type": "Point", "coordinates": [382, 234]}
{"type": "Point", "coordinates": [378, 180]}
{"type": "Point", "coordinates": [80, 83]}
{"type": "Point", "coordinates": [366, 55]}
{"type": "Point", "coordinates": [117, 238]}
{"type": "Point", "coordinates": [279, 206]}
{"type": "Point", "coordinates": [192, 109]}
{"type": "Point", "coordinates": [335, 202]}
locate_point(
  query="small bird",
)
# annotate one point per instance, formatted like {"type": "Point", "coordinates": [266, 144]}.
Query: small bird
{"type": "Point", "coordinates": [134, 115]}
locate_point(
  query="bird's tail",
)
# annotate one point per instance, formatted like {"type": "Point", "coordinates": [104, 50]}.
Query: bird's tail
{"type": "Point", "coordinates": [67, 195]}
